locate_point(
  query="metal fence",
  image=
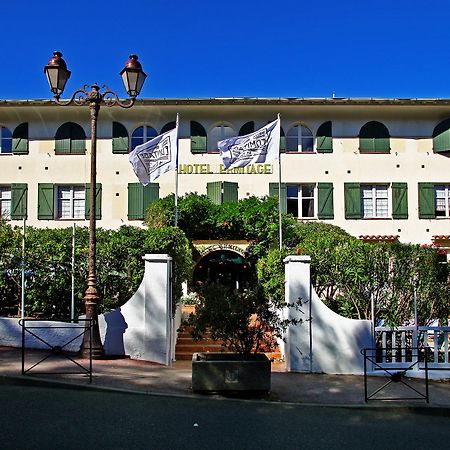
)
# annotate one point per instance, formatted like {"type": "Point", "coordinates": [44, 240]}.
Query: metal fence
{"type": "Point", "coordinates": [36, 328]}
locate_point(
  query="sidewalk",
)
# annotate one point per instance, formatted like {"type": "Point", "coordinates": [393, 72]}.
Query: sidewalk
{"type": "Point", "coordinates": [145, 377]}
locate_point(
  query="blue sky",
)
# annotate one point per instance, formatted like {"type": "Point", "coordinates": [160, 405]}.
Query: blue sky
{"type": "Point", "coordinates": [362, 48]}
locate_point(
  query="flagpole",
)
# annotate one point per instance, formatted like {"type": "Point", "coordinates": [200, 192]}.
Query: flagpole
{"type": "Point", "coordinates": [279, 194]}
{"type": "Point", "coordinates": [176, 179]}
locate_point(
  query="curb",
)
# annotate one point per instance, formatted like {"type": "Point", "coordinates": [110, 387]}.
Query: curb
{"type": "Point", "coordinates": [23, 380]}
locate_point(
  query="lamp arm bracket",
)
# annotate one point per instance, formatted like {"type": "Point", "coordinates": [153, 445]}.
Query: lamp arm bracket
{"type": "Point", "coordinates": [111, 99]}
{"type": "Point", "coordinates": [78, 97]}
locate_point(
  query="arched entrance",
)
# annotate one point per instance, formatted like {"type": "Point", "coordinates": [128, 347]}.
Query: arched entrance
{"type": "Point", "coordinates": [226, 267]}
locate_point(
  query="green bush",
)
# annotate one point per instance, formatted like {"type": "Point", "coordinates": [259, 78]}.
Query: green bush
{"type": "Point", "coordinates": [120, 267]}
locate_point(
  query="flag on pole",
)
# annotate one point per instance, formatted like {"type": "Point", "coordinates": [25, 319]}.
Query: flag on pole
{"type": "Point", "coordinates": [155, 157]}
{"type": "Point", "coordinates": [258, 147]}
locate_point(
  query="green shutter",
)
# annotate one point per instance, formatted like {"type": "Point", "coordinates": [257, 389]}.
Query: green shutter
{"type": "Point", "coordinates": [426, 201]}
{"type": "Point", "coordinates": [139, 199]}
{"type": "Point", "coordinates": [324, 140]}
{"type": "Point", "coordinates": [382, 145]}
{"type": "Point", "coordinates": [198, 144]}
{"type": "Point", "coordinates": [282, 144]}
{"type": "Point", "coordinates": [441, 142]}
{"type": "Point", "coordinates": [98, 201]}
{"type": "Point", "coordinates": [150, 194]}
{"type": "Point", "coordinates": [70, 138]}
{"type": "Point", "coordinates": [366, 145]}
{"type": "Point", "coordinates": [120, 138]}
{"type": "Point", "coordinates": [62, 139]}
{"type": "Point", "coordinates": [400, 200]}
{"type": "Point", "coordinates": [19, 201]}
{"type": "Point", "coordinates": [324, 144]}
{"type": "Point", "coordinates": [214, 192]}
{"type": "Point", "coordinates": [273, 192]}
{"type": "Point", "coordinates": [352, 196]}
{"type": "Point", "coordinates": [20, 140]}
{"type": "Point", "coordinates": [230, 192]}
{"type": "Point", "coordinates": [325, 201]}
{"type": "Point", "coordinates": [78, 138]}
{"type": "Point", "coordinates": [45, 201]}
{"type": "Point", "coordinates": [135, 201]}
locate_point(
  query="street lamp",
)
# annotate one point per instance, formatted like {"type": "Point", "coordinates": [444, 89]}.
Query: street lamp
{"type": "Point", "coordinates": [133, 78]}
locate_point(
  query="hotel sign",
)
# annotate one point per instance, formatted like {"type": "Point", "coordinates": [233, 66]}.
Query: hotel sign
{"type": "Point", "coordinates": [204, 169]}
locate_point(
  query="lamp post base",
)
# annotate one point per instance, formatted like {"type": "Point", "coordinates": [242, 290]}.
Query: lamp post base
{"type": "Point", "coordinates": [91, 337]}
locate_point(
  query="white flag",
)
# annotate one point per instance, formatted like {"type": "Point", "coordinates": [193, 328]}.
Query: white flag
{"type": "Point", "coordinates": [258, 147]}
{"type": "Point", "coordinates": [155, 157]}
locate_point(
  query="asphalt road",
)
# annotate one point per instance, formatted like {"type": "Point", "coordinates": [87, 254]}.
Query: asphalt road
{"type": "Point", "coordinates": [59, 418]}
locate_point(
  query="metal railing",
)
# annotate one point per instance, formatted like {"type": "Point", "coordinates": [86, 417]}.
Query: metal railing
{"type": "Point", "coordinates": [395, 345]}
{"type": "Point", "coordinates": [407, 359]}
{"type": "Point", "coordinates": [59, 350]}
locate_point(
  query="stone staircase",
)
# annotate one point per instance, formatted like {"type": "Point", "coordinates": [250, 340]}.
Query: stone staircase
{"type": "Point", "coordinates": [186, 346]}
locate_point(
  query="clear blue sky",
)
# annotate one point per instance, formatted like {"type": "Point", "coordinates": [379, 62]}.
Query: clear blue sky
{"type": "Point", "coordinates": [357, 48]}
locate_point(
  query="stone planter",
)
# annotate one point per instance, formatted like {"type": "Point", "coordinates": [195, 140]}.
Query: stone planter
{"type": "Point", "coordinates": [217, 372]}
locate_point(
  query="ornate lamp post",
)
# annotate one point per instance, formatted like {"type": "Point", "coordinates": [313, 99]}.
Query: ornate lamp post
{"type": "Point", "coordinates": [133, 78]}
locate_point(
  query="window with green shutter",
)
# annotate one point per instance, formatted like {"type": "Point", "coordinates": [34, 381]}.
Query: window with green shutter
{"type": "Point", "coordinates": [70, 138]}
{"type": "Point", "coordinates": [214, 192]}
{"type": "Point", "coordinates": [19, 201]}
{"type": "Point", "coordinates": [441, 137]}
{"type": "Point", "coordinates": [274, 192]}
{"type": "Point", "coordinates": [325, 201]}
{"type": "Point", "coordinates": [198, 138]}
{"type": "Point", "coordinates": [20, 140]}
{"type": "Point", "coordinates": [46, 201]}
{"type": "Point", "coordinates": [98, 201]}
{"type": "Point", "coordinates": [374, 138]}
{"type": "Point", "coordinates": [352, 197]}
{"type": "Point", "coordinates": [324, 138]}
{"type": "Point", "coordinates": [120, 138]}
{"type": "Point", "coordinates": [139, 199]}
{"type": "Point", "coordinates": [400, 200]}
{"type": "Point", "coordinates": [426, 201]}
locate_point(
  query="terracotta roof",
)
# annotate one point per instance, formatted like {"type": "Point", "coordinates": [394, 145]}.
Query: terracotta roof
{"type": "Point", "coordinates": [381, 237]}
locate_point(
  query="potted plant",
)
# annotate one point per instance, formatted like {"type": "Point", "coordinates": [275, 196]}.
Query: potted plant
{"type": "Point", "coordinates": [248, 325]}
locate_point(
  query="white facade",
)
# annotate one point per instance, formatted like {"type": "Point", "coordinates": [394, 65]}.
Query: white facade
{"type": "Point", "coordinates": [411, 159]}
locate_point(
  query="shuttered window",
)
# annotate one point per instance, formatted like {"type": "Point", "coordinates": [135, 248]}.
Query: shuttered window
{"type": "Point", "coordinates": [325, 208]}
{"type": "Point", "coordinates": [374, 138]}
{"type": "Point", "coordinates": [198, 138]}
{"type": "Point", "coordinates": [222, 192]}
{"type": "Point", "coordinates": [139, 199]}
{"type": "Point", "coordinates": [441, 137]}
{"type": "Point", "coordinates": [324, 139]}
{"type": "Point", "coordinates": [120, 139]}
{"type": "Point", "coordinates": [20, 140]}
{"type": "Point", "coordinates": [282, 141]}
{"type": "Point", "coordinates": [274, 192]}
{"type": "Point", "coordinates": [70, 138]}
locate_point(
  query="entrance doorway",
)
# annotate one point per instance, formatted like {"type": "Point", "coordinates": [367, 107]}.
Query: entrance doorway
{"type": "Point", "coordinates": [225, 267]}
